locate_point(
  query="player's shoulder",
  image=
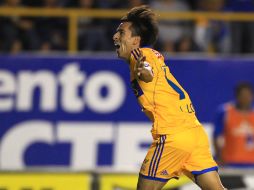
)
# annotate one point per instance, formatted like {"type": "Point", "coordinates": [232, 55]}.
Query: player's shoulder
{"type": "Point", "coordinates": [150, 52]}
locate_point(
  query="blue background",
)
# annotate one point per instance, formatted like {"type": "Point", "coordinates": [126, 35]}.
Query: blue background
{"type": "Point", "coordinates": [209, 82]}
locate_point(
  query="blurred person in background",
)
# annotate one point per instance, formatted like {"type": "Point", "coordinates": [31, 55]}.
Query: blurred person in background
{"type": "Point", "coordinates": [242, 33]}
{"type": "Point", "coordinates": [211, 35]}
{"type": "Point", "coordinates": [32, 3]}
{"type": "Point", "coordinates": [171, 32]}
{"type": "Point", "coordinates": [17, 33]}
{"type": "Point", "coordinates": [128, 3]}
{"type": "Point", "coordinates": [92, 32]}
{"type": "Point", "coordinates": [40, 3]}
{"type": "Point", "coordinates": [186, 44]}
{"type": "Point", "coordinates": [135, 3]}
{"type": "Point", "coordinates": [52, 30]}
{"type": "Point", "coordinates": [234, 129]}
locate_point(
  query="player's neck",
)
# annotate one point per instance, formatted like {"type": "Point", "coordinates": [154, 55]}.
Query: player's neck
{"type": "Point", "coordinates": [135, 47]}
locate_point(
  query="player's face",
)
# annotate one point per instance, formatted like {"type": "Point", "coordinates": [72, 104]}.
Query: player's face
{"type": "Point", "coordinates": [124, 41]}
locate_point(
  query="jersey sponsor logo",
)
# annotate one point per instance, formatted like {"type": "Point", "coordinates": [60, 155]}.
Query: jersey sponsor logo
{"type": "Point", "coordinates": [158, 55]}
{"type": "Point", "coordinates": [76, 91]}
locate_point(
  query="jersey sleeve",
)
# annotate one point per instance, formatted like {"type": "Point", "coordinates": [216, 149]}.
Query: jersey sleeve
{"type": "Point", "coordinates": [219, 123]}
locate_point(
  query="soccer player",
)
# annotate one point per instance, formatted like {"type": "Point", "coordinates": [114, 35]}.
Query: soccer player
{"type": "Point", "coordinates": [180, 144]}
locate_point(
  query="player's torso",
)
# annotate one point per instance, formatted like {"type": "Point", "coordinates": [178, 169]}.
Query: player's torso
{"type": "Point", "coordinates": [239, 135]}
{"type": "Point", "coordinates": [165, 102]}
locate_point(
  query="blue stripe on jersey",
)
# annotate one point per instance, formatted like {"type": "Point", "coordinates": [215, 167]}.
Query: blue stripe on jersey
{"type": "Point", "coordinates": [153, 178]}
{"type": "Point", "coordinates": [151, 163]}
{"type": "Point", "coordinates": [157, 157]}
{"type": "Point", "coordinates": [163, 143]}
{"type": "Point", "coordinates": [177, 89]}
{"type": "Point", "coordinates": [174, 86]}
{"type": "Point", "coordinates": [215, 168]}
{"type": "Point", "coordinates": [136, 88]}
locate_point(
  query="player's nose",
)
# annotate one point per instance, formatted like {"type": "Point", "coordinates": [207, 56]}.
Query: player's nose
{"type": "Point", "coordinates": [115, 36]}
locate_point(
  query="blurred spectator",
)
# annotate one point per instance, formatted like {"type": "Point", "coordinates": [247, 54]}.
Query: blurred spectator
{"type": "Point", "coordinates": [242, 33]}
{"type": "Point", "coordinates": [32, 3]}
{"type": "Point", "coordinates": [234, 129]}
{"type": "Point", "coordinates": [171, 32]}
{"type": "Point", "coordinates": [52, 31]}
{"type": "Point", "coordinates": [135, 3]}
{"type": "Point", "coordinates": [17, 33]}
{"type": "Point", "coordinates": [127, 4]}
{"type": "Point", "coordinates": [45, 33]}
{"type": "Point", "coordinates": [40, 3]}
{"type": "Point", "coordinates": [192, 4]}
{"type": "Point", "coordinates": [212, 36]}
{"type": "Point", "coordinates": [91, 33]}
{"type": "Point", "coordinates": [186, 44]}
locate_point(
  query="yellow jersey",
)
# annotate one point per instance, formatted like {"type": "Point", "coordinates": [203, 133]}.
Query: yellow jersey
{"type": "Point", "coordinates": [163, 99]}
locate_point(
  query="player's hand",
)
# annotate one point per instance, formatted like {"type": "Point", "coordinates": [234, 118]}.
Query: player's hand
{"type": "Point", "coordinates": [142, 69]}
{"type": "Point", "coordinates": [140, 66]}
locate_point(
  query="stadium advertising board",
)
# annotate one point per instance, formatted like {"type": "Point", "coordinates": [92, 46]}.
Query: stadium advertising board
{"type": "Point", "coordinates": [44, 181]}
{"type": "Point", "coordinates": [129, 182]}
{"type": "Point", "coordinates": [80, 113]}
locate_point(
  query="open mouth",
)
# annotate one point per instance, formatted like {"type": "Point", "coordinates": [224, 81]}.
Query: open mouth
{"type": "Point", "coordinates": [117, 46]}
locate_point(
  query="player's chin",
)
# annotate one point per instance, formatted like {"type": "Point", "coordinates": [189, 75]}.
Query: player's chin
{"type": "Point", "coordinates": [117, 51]}
{"type": "Point", "coordinates": [119, 54]}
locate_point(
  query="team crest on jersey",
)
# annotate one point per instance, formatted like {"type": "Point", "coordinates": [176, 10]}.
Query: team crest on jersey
{"type": "Point", "coordinates": [164, 172]}
{"type": "Point", "coordinates": [136, 88]}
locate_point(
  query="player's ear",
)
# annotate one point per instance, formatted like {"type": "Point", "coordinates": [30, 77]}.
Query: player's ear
{"type": "Point", "coordinates": [137, 40]}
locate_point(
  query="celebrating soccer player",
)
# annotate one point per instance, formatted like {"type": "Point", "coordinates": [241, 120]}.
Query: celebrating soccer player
{"type": "Point", "coordinates": [180, 144]}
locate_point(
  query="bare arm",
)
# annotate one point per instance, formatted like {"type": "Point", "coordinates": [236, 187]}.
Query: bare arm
{"type": "Point", "coordinates": [218, 145]}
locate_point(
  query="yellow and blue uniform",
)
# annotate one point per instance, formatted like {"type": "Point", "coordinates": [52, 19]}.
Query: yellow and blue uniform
{"type": "Point", "coordinates": [180, 144]}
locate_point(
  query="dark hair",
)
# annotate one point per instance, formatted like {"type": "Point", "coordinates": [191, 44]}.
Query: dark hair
{"type": "Point", "coordinates": [241, 86]}
{"type": "Point", "coordinates": [144, 24]}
